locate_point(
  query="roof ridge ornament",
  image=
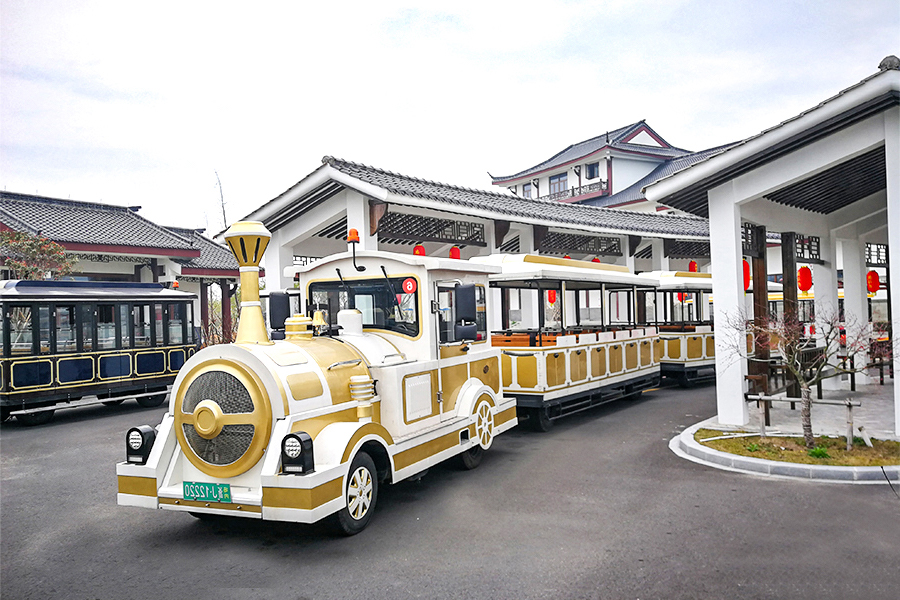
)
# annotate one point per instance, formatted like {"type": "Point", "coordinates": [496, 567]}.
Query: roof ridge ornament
{"type": "Point", "coordinates": [889, 63]}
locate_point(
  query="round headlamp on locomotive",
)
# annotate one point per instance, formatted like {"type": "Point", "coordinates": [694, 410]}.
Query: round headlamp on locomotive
{"type": "Point", "coordinates": [297, 429]}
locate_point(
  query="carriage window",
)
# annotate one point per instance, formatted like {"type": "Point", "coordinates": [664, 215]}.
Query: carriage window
{"type": "Point", "coordinates": [158, 324]}
{"type": "Point", "coordinates": [87, 327]}
{"type": "Point", "coordinates": [123, 325]}
{"type": "Point", "coordinates": [448, 316]}
{"type": "Point", "coordinates": [106, 327]}
{"type": "Point", "coordinates": [620, 308]}
{"type": "Point", "coordinates": [552, 309]}
{"type": "Point", "coordinates": [391, 304]}
{"type": "Point", "coordinates": [20, 335]}
{"type": "Point", "coordinates": [66, 333]}
{"type": "Point", "coordinates": [481, 314]}
{"type": "Point", "coordinates": [176, 322]}
{"type": "Point", "coordinates": [141, 325]}
{"type": "Point", "coordinates": [44, 324]}
{"type": "Point", "coordinates": [190, 323]}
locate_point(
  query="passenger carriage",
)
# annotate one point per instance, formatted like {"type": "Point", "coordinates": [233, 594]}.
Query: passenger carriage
{"type": "Point", "coordinates": [573, 333]}
{"type": "Point", "coordinates": [387, 371]}
{"type": "Point", "coordinates": [72, 343]}
{"type": "Point", "coordinates": [681, 309]}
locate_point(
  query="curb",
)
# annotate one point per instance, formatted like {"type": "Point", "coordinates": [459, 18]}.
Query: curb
{"type": "Point", "coordinates": [685, 446]}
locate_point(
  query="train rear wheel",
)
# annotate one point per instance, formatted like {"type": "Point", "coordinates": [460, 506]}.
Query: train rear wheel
{"type": "Point", "coordinates": [539, 419]}
{"type": "Point", "coordinates": [361, 494]}
{"type": "Point", "coordinates": [32, 419]}
{"type": "Point", "coordinates": [470, 459]}
{"type": "Point", "coordinates": [151, 401]}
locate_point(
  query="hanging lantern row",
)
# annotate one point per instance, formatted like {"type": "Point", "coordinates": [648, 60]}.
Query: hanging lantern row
{"type": "Point", "coordinates": [804, 279]}
{"type": "Point", "coordinates": [746, 275]}
{"type": "Point", "coordinates": [692, 266]}
{"type": "Point", "coordinates": [873, 281]}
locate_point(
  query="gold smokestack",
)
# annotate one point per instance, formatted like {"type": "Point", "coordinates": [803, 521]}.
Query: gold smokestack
{"type": "Point", "coordinates": [248, 241]}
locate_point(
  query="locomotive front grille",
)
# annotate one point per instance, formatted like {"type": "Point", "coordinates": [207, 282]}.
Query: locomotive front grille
{"type": "Point", "coordinates": [227, 447]}
{"type": "Point", "coordinates": [223, 417]}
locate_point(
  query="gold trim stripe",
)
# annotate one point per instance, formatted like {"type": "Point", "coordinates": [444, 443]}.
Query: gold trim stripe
{"type": "Point", "coordinates": [304, 499]}
{"type": "Point", "coordinates": [423, 451]}
{"type": "Point", "coordinates": [247, 508]}
{"type": "Point", "coordinates": [137, 486]}
{"type": "Point", "coordinates": [375, 429]}
{"type": "Point", "coordinates": [504, 416]}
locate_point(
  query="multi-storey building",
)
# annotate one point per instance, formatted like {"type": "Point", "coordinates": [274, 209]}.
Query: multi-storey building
{"type": "Point", "coordinates": [604, 170]}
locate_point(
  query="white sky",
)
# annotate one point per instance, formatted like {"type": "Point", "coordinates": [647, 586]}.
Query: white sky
{"type": "Point", "coordinates": [141, 103]}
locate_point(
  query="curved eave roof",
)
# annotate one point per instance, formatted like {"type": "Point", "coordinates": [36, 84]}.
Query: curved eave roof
{"type": "Point", "coordinates": [686, 190]}
{"type": "Point", "coordinates": [614, 140]}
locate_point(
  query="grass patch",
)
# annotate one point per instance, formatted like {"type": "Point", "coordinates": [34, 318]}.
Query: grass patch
{"type": "Point", "coordinates": [828, 451]}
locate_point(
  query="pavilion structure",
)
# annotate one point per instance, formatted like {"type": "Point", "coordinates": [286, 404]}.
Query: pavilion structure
{"type": "Point", "coordinates": [828, 180]}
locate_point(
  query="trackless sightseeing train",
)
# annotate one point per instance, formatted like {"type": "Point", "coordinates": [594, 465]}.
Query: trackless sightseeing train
{"type": "Point", "coordinates": [393, 373]}
{"type": "Point", "coordinates": [72, 343]}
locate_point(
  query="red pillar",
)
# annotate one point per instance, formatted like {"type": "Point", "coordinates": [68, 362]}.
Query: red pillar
{"type": "Point", "coordinates": [226, 311]}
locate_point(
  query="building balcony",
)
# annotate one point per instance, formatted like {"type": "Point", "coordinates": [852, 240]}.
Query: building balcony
{"type": "Point", "coordinates": [599, 188]}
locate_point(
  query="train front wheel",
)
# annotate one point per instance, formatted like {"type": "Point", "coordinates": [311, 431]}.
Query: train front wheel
{"type": "Point", "coordinates": [361, 494]}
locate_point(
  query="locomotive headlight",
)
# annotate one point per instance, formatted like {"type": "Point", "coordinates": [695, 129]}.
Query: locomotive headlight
{"type": "Point", "coordinates": [297, 453]}
{"type": "Point", "coordinates": [138, 443]}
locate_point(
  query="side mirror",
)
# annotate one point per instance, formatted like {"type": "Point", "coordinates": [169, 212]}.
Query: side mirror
{"type": "Point", "coordinates": [464, 303]}
{"type": "Point", "coordinates": [279, 309]}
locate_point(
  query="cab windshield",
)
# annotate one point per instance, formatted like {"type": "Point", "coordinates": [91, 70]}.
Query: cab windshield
{"type": "Point", "coordinates": [391, 303]}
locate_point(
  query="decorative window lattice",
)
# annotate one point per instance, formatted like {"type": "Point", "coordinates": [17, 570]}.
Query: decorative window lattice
{"type": "Point", "coordinates": [557, 243]}
{"type": "Point", "coordinates": [807, 248]}
{"type": "Point", "coordinates": [431, 229]}
{"type": "Point", "coordinates": [877, 255]}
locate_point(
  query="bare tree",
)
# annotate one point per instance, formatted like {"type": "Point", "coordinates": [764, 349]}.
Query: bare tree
{"type": "Point", "coordinates": [808, 359]}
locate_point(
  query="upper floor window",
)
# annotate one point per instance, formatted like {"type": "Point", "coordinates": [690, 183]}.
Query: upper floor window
{"type": "Point", "coordinates": [592, 170]}
{"type": "Point", "coordinates": [526, 190]}
{"type": "Point", "coordinates": [559, 183]}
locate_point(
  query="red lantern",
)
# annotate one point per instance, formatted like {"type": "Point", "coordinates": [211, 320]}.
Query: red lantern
{"type": "Point", "coordinates": [692, 266]}
{"type": "Point", "coordinates": [873, 281]}
{"type": "Point", "coordinates": [567, 256]}
{"type": "Point", "coordinates": [804, 279]}
{"type": "Point", "coordinates": [681, 296]}
{"type": "Point", "coordinates": [551, 296]}
{"type": "Point", "coordinates": [595, 259]}
{"type": "Point", "coordinates": [746, 276]}
{"type": "Point", "coordinates": [419, 250]}
{"type": "Point", "coordinates": [454, 252]}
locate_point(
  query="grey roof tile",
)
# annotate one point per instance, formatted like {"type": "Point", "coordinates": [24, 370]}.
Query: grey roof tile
{"type": "Point", "coordinates": [87, 223]}
{"type": "Point", "coordinates": [508, 205]}
{"type": "Point", "coordinates": [212, 255]}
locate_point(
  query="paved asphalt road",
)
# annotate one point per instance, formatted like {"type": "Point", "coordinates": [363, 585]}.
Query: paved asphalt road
{"type": "Point", "coordinates": [597, 508]}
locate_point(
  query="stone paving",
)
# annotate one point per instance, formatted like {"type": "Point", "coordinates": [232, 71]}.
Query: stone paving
{"type": "Point", "coordinates": [876, 413]}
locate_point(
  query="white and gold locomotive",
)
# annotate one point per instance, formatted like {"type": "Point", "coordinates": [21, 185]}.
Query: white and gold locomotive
{"type": "Point", "coordinates": [394, 373]}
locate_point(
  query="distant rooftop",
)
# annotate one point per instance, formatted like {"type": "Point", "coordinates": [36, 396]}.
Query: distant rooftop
{"type": "Point", "coordinates": [618, 139]}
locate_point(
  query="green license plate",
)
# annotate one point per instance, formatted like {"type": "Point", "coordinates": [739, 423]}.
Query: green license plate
{"type": "Point", "coordinates": [207, 492]}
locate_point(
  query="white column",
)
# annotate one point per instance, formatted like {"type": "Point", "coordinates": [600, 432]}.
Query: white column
{"type": "Point", "coordinates": [526, 238]}
{"type": "Point", "coordinates": [856, 306]}
{"type": "Point", "coordinates": [892, 161]}
{"type": "Point", "coordinates": [358, 219]}
{"type": "Point", "coordinates": [728, 289]}
{"type": "Point", "coordinates": [277, 257]}
{"type": "Point", "coordinates": [660, 260]}
{"type": "Point", "coordinates": [825, 289]}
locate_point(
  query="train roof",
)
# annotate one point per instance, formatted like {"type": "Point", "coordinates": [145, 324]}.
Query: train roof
{"type": "Point", "coordinates": [431, 263]}
{"type": "Point", "coordinates": [680, 280]}
{"type": "Point", "coordinates": [23, 289]}
{"type": "Point", "coordinates": [529, 270]}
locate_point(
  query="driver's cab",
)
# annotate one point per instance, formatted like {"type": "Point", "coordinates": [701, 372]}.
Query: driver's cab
{"type": "Point", "coordinates": [419, 324]}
